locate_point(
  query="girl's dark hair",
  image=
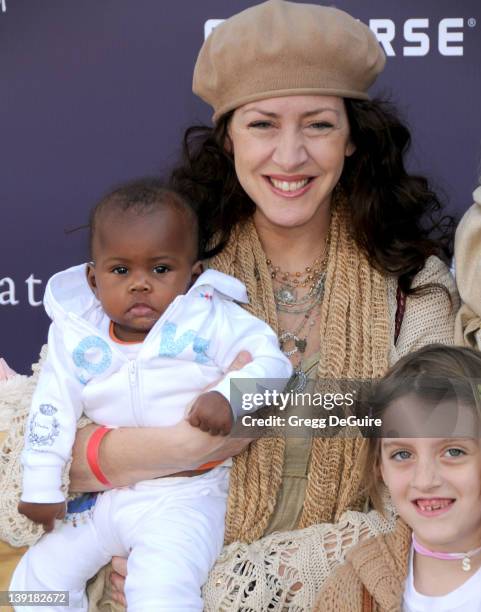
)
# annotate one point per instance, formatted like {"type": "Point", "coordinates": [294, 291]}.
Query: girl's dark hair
{"type": "Point", "coordinates": [396, 217]}
{"type": "Point", "coordinates": [434, 373]}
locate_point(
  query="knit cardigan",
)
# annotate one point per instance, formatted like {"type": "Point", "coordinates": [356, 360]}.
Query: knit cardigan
{"type": "Point", "coordinates": [373, 577]}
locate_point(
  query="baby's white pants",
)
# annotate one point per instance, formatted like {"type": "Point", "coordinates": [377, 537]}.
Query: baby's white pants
{"type": "Point", "coordinates": [172, 530]}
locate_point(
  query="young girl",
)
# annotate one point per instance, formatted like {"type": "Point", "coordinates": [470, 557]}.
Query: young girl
{"type": "Point", "coordinates": [432, 559]}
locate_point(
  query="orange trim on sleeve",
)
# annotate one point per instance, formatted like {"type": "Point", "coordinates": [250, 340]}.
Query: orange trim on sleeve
{"type": "Point", "coordinates": [209, 465]}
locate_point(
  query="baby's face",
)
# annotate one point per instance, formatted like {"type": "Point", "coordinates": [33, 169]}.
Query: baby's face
{"type": "Point", "coordinates": [141, 263]}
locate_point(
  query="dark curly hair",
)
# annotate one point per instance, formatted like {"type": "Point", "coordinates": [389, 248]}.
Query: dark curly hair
{"type": "Point", "coordinates": [396, 218]}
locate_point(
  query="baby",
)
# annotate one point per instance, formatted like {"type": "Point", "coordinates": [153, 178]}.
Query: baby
{"type": "Point", "coordinates": [137, 334]}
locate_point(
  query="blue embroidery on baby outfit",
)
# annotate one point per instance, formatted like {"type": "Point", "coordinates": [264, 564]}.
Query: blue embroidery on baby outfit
{"type": "Point", "coordinates": [200, 348]}
{"type": "Point", "coordinates": [47, 409]}
{"type": "Point", "coordinates": [170, 346]}
{"type": "Point", "coordinates": [93, 355]}
{"type": "Point", "coordinates": [43, 427]}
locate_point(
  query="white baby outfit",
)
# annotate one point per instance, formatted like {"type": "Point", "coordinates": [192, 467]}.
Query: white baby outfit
{"type": "Point", "coordinates": [172, 527]}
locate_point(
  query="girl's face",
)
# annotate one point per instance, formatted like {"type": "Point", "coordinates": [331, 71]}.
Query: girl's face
{"type": "Point", "coordinates": [435, 485]}
{"type": "Point", "coordinates": [289, 154]}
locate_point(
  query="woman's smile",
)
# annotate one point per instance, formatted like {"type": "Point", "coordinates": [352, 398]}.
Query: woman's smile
{"type": "Point", "coordinates": [289, 187]}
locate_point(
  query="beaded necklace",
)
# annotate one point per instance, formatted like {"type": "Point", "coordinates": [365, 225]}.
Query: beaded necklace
{"type": "Point", "coordinates": [294, 340]}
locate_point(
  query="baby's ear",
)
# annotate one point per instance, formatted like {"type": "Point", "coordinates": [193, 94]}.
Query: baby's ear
{"type": "Point", "coordinates": [197, 270]}
{"type": "Point", "coordinates": [91, 277]}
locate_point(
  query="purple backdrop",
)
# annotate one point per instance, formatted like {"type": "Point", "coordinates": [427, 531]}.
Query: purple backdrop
{"type": "Point", "coordinates": [93, 93]}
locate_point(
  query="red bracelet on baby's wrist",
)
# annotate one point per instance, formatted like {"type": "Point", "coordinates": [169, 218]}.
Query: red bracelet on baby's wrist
{"type": "Point", "coordinates": [93, 446]}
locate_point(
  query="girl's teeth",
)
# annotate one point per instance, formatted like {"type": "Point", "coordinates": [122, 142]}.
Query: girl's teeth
{"type": "Point", "coordinates": [433, 506]}
{"type": "Point", "coordinates": [289, 185]}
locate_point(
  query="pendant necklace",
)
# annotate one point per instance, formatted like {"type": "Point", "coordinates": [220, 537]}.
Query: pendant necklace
{"type": "Point", "coordinates": [288, 302]}
{"type": "Point", "coordinates": [465, 558]}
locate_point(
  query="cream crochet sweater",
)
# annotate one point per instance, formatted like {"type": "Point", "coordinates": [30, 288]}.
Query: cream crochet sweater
{"type": "Point", "coordinates": [282, 571]}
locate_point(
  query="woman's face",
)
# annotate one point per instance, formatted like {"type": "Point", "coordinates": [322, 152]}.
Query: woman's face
{"type": "Point", "coordinates": [289, 154]}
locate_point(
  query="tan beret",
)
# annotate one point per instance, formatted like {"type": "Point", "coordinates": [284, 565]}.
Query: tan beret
{"type": "Point", "coordinates": [280, 48]}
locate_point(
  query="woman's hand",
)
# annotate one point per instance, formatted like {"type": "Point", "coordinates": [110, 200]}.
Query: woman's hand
{"type": "Point", "coordinates": [117, 579]}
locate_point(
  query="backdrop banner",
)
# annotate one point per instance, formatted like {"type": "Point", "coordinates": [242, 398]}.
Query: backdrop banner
{"type": "Point", "coordinates": [95, 93]}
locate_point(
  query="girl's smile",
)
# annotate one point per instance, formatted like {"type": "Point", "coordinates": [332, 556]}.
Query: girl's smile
{"type": "Point", "coordinates": [431, 507]}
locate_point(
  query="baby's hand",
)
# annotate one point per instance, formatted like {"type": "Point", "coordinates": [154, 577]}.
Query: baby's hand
{"type": "Point", "coordinates": [211, 413]}
{"type": "Point", "coordinates": [44, 514]}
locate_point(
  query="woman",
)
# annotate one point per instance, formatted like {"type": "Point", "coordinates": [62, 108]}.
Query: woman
{"type": "Point", "coordinates": [303, 195]}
